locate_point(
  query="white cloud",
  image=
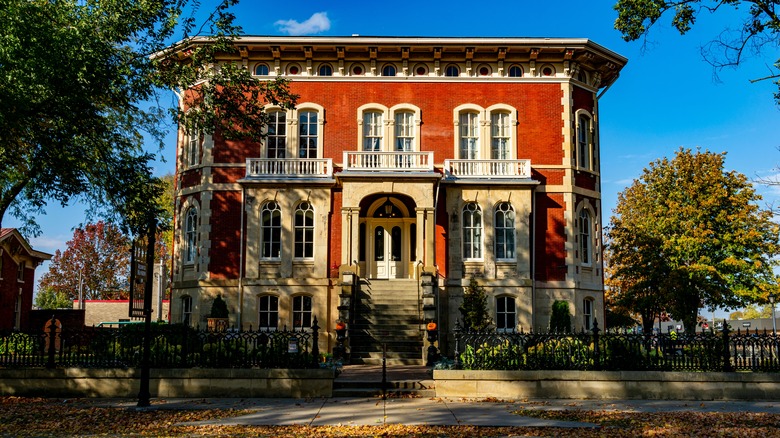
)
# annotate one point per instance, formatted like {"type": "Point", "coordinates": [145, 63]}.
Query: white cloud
{"type": "Point", "coordinates": [317, 23]}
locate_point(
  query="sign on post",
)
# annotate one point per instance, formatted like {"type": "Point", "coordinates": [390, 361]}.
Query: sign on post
{"type": "Point", "coordinates": [138, 274]}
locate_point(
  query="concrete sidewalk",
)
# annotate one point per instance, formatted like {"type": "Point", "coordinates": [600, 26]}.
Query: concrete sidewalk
{"type": "Point", "coordinates": [426, 411]}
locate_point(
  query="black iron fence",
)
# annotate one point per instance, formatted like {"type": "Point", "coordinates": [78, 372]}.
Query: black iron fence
{"type": "Point", "coordinates": [172, 346]}
{"type": "Point", "coordinates": [611, 351]}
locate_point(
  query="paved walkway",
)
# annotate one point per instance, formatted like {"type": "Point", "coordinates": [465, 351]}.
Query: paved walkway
{"type": "Point", "coordinates": [426, 411]}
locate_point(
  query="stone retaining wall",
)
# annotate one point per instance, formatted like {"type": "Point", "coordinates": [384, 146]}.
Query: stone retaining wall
{"type": "Point", "coordinates": [79, 382]}
{"type": "Point", "coordinates": [653, 385]}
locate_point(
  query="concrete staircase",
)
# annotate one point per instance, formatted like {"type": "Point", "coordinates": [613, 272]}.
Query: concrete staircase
{"type": "Point", "coordinates": [404, 381]}
{"type": "Point", "coordinates": [387, 312]}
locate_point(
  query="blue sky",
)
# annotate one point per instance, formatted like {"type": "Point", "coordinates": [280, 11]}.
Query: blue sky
{"type": "Point", "coordinates": [666, 97]}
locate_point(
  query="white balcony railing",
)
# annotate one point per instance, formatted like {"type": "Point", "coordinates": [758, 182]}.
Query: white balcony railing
{"type": "Point", "coordinates": [289, 167]}
{"type": "Point", "coordinates": [388, 161]}
{"type": "Point", "coordinates": [487, 168]}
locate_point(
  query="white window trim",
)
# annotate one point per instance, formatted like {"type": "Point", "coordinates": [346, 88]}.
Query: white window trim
{"type": "Point", "coordinates": [588, 318]}
{"type": "Point", "coordinates": [514, 301]}
{"type": "Point", "coordinates": [481, 243]}
{"type": "Point", "coordinates": [314, 233]}
{"type": "Point", "coordinates": [514, 232]}
{"type": "Point", "coordinates": [456, 113]}
{"type": "Point", "coordinates": [384, 144]}
{"type": "Point", "coordinates": [591, 138]}
{"type": "Point", "coordinates": [20, 271]}
{"type": "Point", "coordinates": [293, 311]}
{"type": "Point", "coordinates": [408, 108]}
{"type": "Point", "coordinates": [294, 134]}
{"type": "Point", "coordinates": [186, 261]}
{"type": "Point", "coordinates": [260, 310]}
{"type": "Point", "coordinates": [281, 231]}
{"type": "Point", "coordinates": [506, 109]}
{"type": "Point", "coordinates": [592, 244]}
{"type": "Point", "coordinates": [184, 311]}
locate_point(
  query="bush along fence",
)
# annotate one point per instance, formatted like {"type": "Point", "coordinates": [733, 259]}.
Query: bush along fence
{"type": "Point", "coordinates": [725, 351]}
{"type": "Point", "coordinates": [172, 346]}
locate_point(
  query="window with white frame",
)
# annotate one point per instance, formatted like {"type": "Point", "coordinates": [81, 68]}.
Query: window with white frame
{"type": "Point", "coordinates": [308, 134]}
{"type": "Point", "coordinates": [506, 314]}
{"type": "Point", "coordinates": [472, 232]}
{"type": "Point", "coordinates": [20, 273]}
{"type": "Point", "coordinates": [276, 141]}
{"type": "Point", "coordinates": [505, 231]}
{"type": "Point", "coordinates": [302, 311]}
{"type": "Point", "coordinates": [469, 135]}
{"type": "Point", "coordinates": [404, 131]}
{"type": "Point", "coordinates": [271, 230]}
{"type": "Point", "coordinates": [373, 126]}
{"type": "Point", "coordinates": [587, 313]}
{"type": "Point", "coordinates": [500, 136]}
{"type": "Point", "coordinates": [585, 237]}
{"type": "Point", "coordinates": [190, 236]}
{"type": "Point", "coordinates": [193, 146]}
{"type": "Point", "coordinates": [268, 312]}
{"type": "Point", "coordinates": [304, 231]}
{"type": "Point", "coordinates": [584, 143]}
{"type": "Point", "coordinates": [186, 310]}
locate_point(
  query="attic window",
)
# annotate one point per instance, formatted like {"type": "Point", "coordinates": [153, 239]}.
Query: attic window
{"type": "Point", "coordinates": [20, 273]}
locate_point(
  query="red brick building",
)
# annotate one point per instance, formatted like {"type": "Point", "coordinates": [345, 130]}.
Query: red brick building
{"type": "Point", "coordinates": [415, 164]}
{"type": "Point", "coordinates": [17, 278]}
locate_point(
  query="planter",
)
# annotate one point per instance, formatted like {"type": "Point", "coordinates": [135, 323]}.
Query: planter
{"type": "Point", "coordinates": [217, 324]}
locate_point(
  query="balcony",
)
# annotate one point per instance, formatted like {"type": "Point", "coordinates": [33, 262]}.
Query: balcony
{"type": "Point", "coordinates": [396, 162]}
{"type": "Point", "coordinates": [278, 168]}
{"type": "Point", "coordinates": [466, 169]}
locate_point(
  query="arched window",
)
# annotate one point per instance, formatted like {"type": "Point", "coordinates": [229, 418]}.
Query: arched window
{"type": "Point", "coordinates": [261, 70]}
{"type": "Point", "coordinates": [308, 129]}
{"type": "Point", "coordinates": [268, 312]}
{"type": "Point", "coordinates": [452, 71]}
{"type": "Point", "coordinates": [584, 144]}
{"type": "Point", "coordinates": [515, 71]}
{"type": "Point", "coordinates": [326, 70]}
{"type": "Point", "coordinates": [587, 313]}
{"type": "Point", "coordinates": [388, 70]}
{"type": "Point", "coordinates": [506, 315]}
{"type": "Point", "coordinates": [585, 237]}
{"type": "Point", "coordinates": [302, 306]}
{"type": "Point", "coordinates": [500, 136]}
{"type": "Point", "coordinates": [404, 131]}
{"type": "Point", "coordinates": [193, 146]}
{"type": "Point", "coordinates": [505, 231]}
{"type": "Point", "coordinates": [472, 232]}
{"type": "Point", "coordinates": [186, 310]}
{"type": "Point", "coordinates": [271, 230]}
{"type": "Point", "coordinates": [469, 135]}
{"type": "Point", "coordinates": [190, 236]}
{"type": "Point", "coordinates": [304, 231]}
{"type": "Point", "coordinates": [277, 135]}
{"type": "Point", "coordinates": [372, 130]}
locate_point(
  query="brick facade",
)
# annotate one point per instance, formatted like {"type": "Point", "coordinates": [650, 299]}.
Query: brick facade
{"type": "Point", "coordinates": [17, 278]}
{"type": "Point", "coordinates": [543, 90]}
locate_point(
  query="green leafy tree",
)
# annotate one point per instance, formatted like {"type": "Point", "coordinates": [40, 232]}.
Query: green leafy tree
{"type": "Point", "coordinates": [474, 307]}
{"type": "Point", "coordinates": [85, 83]}
{"type": "Point", "coordinates": [751, 311]}
{"type": "Point", "coordinates": [688, 234]}
{"type": "Point", "coordinates": [97, 259]}
{"type": "Point", "coordinates": [219, 308]}
{"type": "Point", "coordinates": [48, 298]}
{"type": "Point", "coordinates": [560, 318]}
{"type": "Point", "coordinates": [757, 32]}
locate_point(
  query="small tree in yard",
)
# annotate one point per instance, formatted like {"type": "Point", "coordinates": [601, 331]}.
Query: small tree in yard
{"type": "Point", "coordinates": [560, 320]}
{"type": "Point", "coordinates": [474, 308]}
{"type": "Point", "coordinates": [219, 308]}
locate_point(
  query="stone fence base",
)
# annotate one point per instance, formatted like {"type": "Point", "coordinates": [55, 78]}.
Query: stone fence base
{"type": "Point", "coordinates": [80, 382]}
{"type": "Point", "coordinates": [652, 385]}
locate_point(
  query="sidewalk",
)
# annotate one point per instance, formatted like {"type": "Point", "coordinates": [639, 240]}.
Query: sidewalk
{"type": "Point", "coordinates": [427, 411]}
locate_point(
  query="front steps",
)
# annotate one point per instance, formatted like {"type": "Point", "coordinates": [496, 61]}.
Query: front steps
{"type": "Point", "coordinates": [387, 312]}
{"type": "Point", "coordinates": [400, 381]}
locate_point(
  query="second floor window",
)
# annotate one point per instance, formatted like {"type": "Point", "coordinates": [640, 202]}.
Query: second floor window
{"type": "Point", "coordinates": [307, 141]}
{"type": "Point", "coordinates": [404, 131]}
{"type": "Point", "coordinates": [469, 136]}
{"type": "Point", "coordinates": [372, 131]}
{"type": "Point", "coordinates": [277, 135]}
{"type": "Point", "coordinates": [190, 236]}
{"type": "Point", "coordinates": [193, 146]}
{"type": "Point", "coordinates": [20, 272]}
{"type": "Point", "coordinates": [583, 142]}
{"type": "Point", "coordinates": [499, 136]}
{"type": "Point", "coordinates": [304, 231]}
{"type": "Point", "coordinates": [505, 232]}
{"type": "Point", "coordinates": [271, 230]}
{"type": "Point", "coordinates": [585, 237]}
{"type": "Point", "coordinates": [472, 232]}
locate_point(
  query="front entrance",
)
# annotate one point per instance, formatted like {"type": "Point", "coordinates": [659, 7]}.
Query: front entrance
{"type": "Point", "coordinates": [388, 250]}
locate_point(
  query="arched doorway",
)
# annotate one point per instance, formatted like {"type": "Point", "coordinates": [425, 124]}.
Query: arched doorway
{"type": "Point", "coordinates": [389, 241]}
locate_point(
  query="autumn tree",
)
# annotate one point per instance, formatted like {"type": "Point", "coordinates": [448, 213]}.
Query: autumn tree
{"type": "Point", "coordinates": [97, 259]}
{"type": "Point", "coordinates": [688, 234]}
{"type": "Point", "coordinates": [87, 83]}
{"type": "Point", "coordinates": [756, 33]}
{"type": "Point", "coordinates": [48, 298]}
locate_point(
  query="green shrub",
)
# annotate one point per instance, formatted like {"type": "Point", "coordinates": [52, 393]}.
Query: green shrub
{"type": "Point", "coordinates": [559, 354]}
{"type": "Point", "coordinates": [19, 343]}
{"type": "Point", "coordinates": [560, 318]}
{"type": "Point", "coordinates": [474, 308]}
{"type": "Point", "coordinates": [501, 356]}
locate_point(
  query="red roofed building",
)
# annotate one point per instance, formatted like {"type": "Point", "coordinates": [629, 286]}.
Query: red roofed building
{"type": "Point", "coordinates": [17, 278]}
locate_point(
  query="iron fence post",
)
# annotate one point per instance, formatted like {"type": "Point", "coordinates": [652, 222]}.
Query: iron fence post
{"type": "Point", "coordinates": [596, 349]}
{"type": "Point", "coordinates": [52, 340]}
{"type": "Point", "coordinates": [457, 331]}
{"type": "Point", "coordinates": [315, 349]}
{"type": "Point", "coordinates": [184, 350]}
{"type": "Point", "coordinates": [727, 368]}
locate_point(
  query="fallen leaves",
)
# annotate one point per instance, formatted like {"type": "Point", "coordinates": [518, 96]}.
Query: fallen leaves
{"type": "Point", "coordinates": [57, 417]}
